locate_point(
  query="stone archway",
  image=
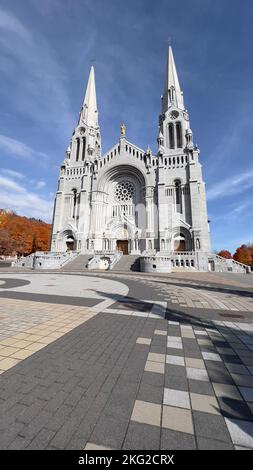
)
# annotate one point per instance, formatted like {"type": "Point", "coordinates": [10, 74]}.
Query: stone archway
{"type": "Point", "coordinates": [181, 240]}
{"type": "Point", "coordinates": [68, 241]}
{"type": "Point", "coordinates": [120, 204]}
{"type": "Point", "coordinates": [179, 243]}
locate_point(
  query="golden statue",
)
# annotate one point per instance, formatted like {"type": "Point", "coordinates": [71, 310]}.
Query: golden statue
{"type": "Point", "coordinates": [123, 130]}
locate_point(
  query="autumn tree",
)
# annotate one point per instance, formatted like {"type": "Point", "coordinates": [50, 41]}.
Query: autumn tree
{"type": "Point", "coordinates": [225, 254]}
{"type": "Point", "coordinates": [7, 246]}
{"type": "Point", "coordinates": [244, 254]}
{"type": "Point", "coordinates": [22, 235]}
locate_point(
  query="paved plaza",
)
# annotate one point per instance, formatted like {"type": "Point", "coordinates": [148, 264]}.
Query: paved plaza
{"type": "Point", "coordinates": [126, 360]}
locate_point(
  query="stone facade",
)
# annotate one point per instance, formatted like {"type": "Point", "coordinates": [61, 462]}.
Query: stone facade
{"type": "Point", "coordinates": [129, 199]}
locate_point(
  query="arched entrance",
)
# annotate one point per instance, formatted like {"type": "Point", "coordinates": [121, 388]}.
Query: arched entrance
{"type": "Point", "coordinates": [122, 233]}
{"type": "Point", "coordinates": [181, 240]}
{"type": "Point", "coordinates": [68, 241]}
{"type": "Point", "coordinates": [122, 245]}
{"type": "Point", "coordinates": [121, 196]}
{"type": "Point", "coordinates": [70, 244]}
{"type": "Point", "coordinates": [179, 243]}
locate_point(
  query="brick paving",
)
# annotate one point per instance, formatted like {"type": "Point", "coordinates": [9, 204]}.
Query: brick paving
{"type": "Point", "coordinates": [119, 375]}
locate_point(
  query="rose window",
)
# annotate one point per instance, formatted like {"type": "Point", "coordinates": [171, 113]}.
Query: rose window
{"type": "Point", "coordinates": [124, 191]}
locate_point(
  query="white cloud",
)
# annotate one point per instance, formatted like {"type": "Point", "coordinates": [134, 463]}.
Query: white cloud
{"type": "Point", "coordinates": [16, 148]}
{"type": "Point", "coordinates": [9, 23]}
{"type": "Point", "coordinates": [41, 94]}
{"type": "Point", "coordinates": [12, 173]}
{"type": "Point", "coordinates": [16, 197]}
{"type": "Point", "coordinates": [8, 184]}
{"type": "Point", "coordinates": [230, 186]}
{"type": "Point", "coordinates": [40, 184]}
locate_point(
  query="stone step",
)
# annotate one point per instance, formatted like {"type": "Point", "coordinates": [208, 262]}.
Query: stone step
{"type": "Point", "coordinates": [128, 263]}
{"type": "Point", "coordinates": [78, 264]}
{"type": "Point", "coordinates": [182, 270]}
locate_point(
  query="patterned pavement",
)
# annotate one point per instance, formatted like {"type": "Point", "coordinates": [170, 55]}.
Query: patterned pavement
{"type": "Point", "coordinates": [198, 295]}
{"type": "Point", "coordinates": [124, 368]}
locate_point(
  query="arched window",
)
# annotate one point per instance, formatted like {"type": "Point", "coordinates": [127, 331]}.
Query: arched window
{"type": "Point", "coordinates": [171, 136]}
{"type": "Point", "coordinates": [178, 196]}
{"type": "Point", "coordinates": [179, 134]}
{"type": "Point", "coordinates": [77, 148]}
{"type": "Point", "coordinates": [172, 93]}
{"type": "Point", "coordinates": [74, 202]}
{"type": "Point", "coordinates": [84, 148]}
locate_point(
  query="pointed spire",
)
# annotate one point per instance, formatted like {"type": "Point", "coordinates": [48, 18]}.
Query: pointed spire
{"type": "Point", "coordinates": [172, 91]}
{"type": "Point", "coordinates": [89, 112]}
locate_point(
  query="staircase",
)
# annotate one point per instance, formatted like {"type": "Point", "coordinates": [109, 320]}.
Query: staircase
{"type": "Point", "coordinates": [78, 264]}
{"type": "Point", "coordinates": [127, 263]}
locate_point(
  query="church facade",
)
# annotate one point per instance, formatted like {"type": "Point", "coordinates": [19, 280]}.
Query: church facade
{"type": "Point", "coordinates": [128, 199]}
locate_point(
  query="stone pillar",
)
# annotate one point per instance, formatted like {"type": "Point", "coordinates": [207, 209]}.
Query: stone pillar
{"type": "Point", "coordinates": [73, 149]}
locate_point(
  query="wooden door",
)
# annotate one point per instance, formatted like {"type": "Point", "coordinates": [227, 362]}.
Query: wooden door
{"type": "Point", "coordinates": [122, 245]}
{"type": "Point", "coordinates": [70, 246]}
{"type": "Point", "coordinates": [181, 246]}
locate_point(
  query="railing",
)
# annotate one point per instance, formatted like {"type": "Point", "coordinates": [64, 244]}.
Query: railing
{"type": "Point", "coordinates": [183, 253]}
{"type": "Point", "coordinates": [73, 255]}
{"type": "Point", "coordinates": [93, 261]}
{"type": "Point", "coordinates": [112, 258]}
{"type": "Point", "coordinates": [230, 259]}
{"type": "Point", "coordinates": [246, 267]}
{"type": "Point", "coordinates": [45, 259]}
{"type": "Point", "coordinates": [117, 256]}
{"type": "Point", "coordinates": [105, 252]}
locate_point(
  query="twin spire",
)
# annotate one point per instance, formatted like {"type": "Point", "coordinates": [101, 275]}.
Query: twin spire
{"type": "Point", "coordinates": [172, 93]}
{"type": "Point", "coordinates": [89, 112]}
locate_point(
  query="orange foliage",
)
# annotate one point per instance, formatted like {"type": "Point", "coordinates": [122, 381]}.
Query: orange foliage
{"type": "Point", "coordinates": [244, 254]}
{"type": "Point", "coordinates": [225, 254]}
{"type": "Point", "coordinates": [22, 235]}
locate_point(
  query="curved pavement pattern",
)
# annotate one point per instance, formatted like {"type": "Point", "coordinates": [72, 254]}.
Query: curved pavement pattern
{"type": "Point", "coordinates": [125, 361]}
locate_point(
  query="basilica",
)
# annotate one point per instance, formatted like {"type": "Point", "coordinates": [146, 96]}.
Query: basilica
{"type": "Point", "coordinates": [130, 201]}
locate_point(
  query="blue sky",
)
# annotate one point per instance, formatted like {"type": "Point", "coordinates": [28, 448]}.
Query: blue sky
{"type": "Point", "coordinates": [46, 51]}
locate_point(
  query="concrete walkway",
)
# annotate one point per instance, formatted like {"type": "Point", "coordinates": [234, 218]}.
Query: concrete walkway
{"type": "Point", "coordinates": [125, 362]}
